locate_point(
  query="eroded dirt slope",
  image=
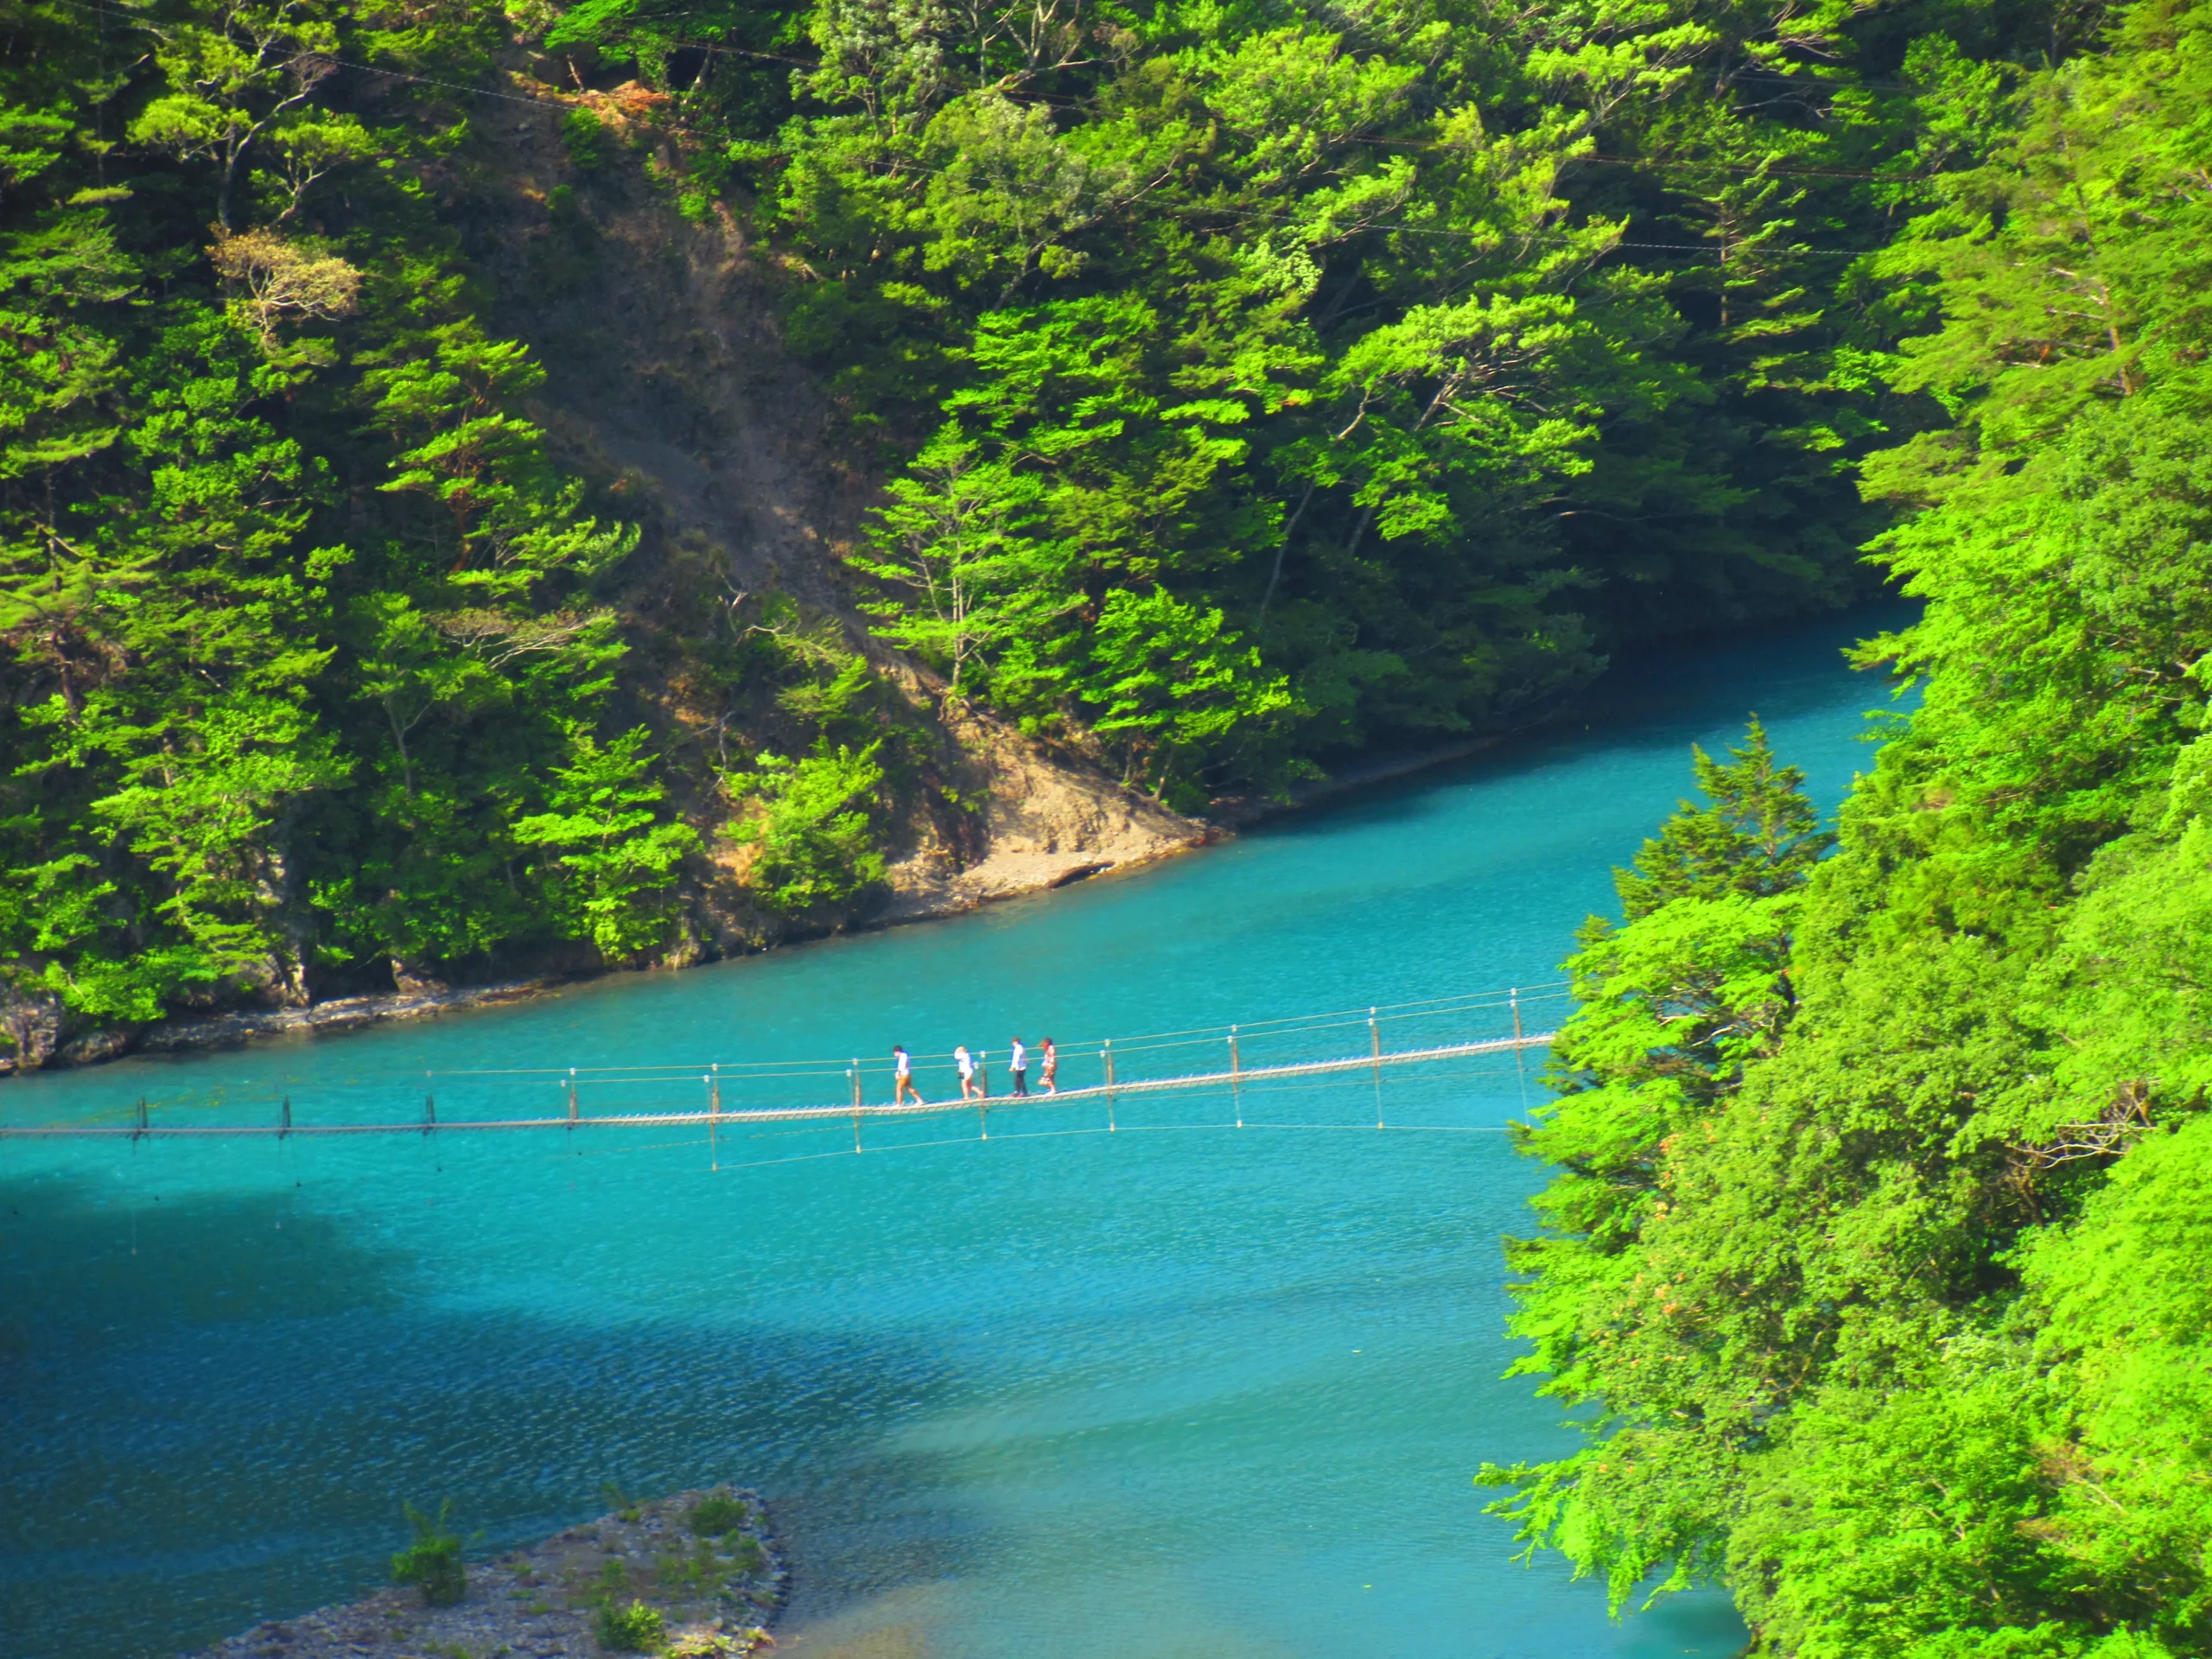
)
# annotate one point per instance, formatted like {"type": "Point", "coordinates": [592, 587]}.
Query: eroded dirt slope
{"type": "Point", "coordinates": [666, 373]}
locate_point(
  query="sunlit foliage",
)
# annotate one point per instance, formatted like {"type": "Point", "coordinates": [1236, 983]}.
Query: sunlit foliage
{"type": "Point", "coordinates": [1881, 1242]}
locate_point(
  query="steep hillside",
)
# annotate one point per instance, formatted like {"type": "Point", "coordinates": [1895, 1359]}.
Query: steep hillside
{"type": "Point", "coordinates": [666, 373]}
{"type": "Point", "coordinates": [419, 560]}
{"type": "Point", "coordinates": [438, 544]}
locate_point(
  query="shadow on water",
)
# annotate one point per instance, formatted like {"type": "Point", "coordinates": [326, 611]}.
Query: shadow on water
{"type": "Point", "coordinates": [1171, 1392]}
{"type": "Point", "coordinates": [93, 1263]}
{"type": "Point", "coordinates": [223, 1426]}
{"type": "Point", "coordinates": [1702, 681]}
{"type": "Point", "coordinates": [1659, 697]}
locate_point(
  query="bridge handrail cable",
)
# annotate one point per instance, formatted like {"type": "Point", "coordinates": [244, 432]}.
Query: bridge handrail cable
{"type": "Point", "coordinates": [1142, 1042]}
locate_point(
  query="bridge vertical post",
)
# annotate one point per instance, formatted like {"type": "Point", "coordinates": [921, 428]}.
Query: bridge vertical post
{"type": "Point", "coordinates": [714, 1116]}
{"type": "Point", "coordinates": [141, 1130]}
{"type": "Point", "coordinates": [1520, 1054]}
{"type": "Point", "coordinates": [287, 1128]}
{"type": "Point", "coordinates": [429, 1106]}
{"type": "Point", "coordinates": [1107, 1053]}
{"type": "Point", "coordinates": [1375, 1049]}
{"type": "Point", "coordinates": [714, 1090]}
{"type": "Point", "coordinates": [572, 1095]}
{"type": "Point", "coordinates": [1236, 1087]}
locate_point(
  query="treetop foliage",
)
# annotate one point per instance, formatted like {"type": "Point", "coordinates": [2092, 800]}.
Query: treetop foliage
{"type": "Point", "coordinates": [1434, 350]}
{"type": "Point", "coordinates": [1878, 1244]}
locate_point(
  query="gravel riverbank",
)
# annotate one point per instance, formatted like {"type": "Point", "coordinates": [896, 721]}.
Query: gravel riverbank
{"type": "Point", "coordinates": [715, 1593]}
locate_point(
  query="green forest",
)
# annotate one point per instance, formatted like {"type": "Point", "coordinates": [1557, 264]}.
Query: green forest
{"type": "Point", "coordinates": [1879, 1256]}
{"type": "Point", "coordinates": [1239, 392]}
{"type": "Point", "coordinates": [1240, 385]}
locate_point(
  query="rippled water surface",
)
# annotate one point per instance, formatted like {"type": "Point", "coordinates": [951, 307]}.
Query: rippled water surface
{"type": "Point", "coordinates": [1180, 1390]}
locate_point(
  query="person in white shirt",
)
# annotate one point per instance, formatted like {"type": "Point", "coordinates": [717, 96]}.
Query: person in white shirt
{"type": "Point", "coordinates": [966, 1062]}
{"type": "Point", "coordinates": [902, 1070]}
{"type": "Point", "coordinates": [1017, 1063]}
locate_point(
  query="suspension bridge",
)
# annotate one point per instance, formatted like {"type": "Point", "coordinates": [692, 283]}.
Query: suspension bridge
{"type": "Point", "coordinates": [1251, 1057]}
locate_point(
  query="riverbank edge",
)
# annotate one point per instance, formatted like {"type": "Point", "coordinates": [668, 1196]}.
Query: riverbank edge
{"type": "Point", "coordinates": [505, 1610]}
{"type": "Point", "coordinates": [239, 1027]}
{"type": "Point", "coordinates": [1225, 819]}
{"type": "Point", "coordinates": [1232, 813]}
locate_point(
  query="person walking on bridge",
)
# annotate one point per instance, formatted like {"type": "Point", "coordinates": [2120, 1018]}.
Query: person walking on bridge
{"type": "Point", "coordinates": [1017, 1063]}
{"type": "Point", "coordinates": [966, 1064]}
{"type": "Point", "coordinates": [1052, 1059]}
{"type": "Point", "coordinates": [902, 1068]}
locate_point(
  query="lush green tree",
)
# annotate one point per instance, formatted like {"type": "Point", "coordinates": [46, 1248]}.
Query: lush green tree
{"type": "Point", "coordinates": [313, 648]}
{"type": "Point", "coordinates": [239, 74]}
{"type": "Point", "coordinates": [614, 856]}
{"type": "Point", "coordinates": [1758, 835]}
{"type": "Point", "coordinates": [1891, 1325]}
{"type": "Point", "coordinates": [1675, 1004]}
{"type": "Point", "coordinates": [960, 581]}
{"type": "Point", "coordinates": [809, 820]}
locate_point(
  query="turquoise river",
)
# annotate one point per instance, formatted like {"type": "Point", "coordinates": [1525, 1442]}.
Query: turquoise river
{"type": "Point", "coordinates": [1180, 1389]}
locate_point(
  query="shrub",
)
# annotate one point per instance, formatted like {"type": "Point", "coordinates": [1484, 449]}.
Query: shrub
{"type": "Point", "coordinates": [680, 1573]}
{"type": "Point", "coordinates": [432, 1563]}
{"type": "Point", "coordinates": [634, 1629]}
{"type": "Point", "coordinates": [718, 1513]}
{"type": "Point", "coordinates": [586, 138]}
{"type": "Point", "coordinates": [817, 844]}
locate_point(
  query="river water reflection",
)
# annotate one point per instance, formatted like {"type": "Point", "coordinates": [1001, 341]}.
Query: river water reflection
{"type": "Point", "coordinates": [1180, 1389]}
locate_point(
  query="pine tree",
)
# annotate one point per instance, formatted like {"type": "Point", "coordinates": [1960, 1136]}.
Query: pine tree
{"type": "Point", "coordinates": [1757, 833]}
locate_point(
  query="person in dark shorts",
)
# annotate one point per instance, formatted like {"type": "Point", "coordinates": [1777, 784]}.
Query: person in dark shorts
{"type": "Point", "coordinates": [1018, 1063]}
